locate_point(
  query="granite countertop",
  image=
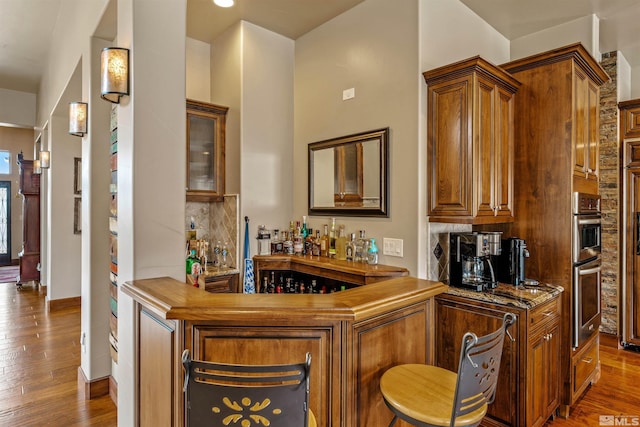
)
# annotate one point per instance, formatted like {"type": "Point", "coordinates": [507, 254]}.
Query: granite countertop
{"type": "Point", "coordinates": [522, 296]}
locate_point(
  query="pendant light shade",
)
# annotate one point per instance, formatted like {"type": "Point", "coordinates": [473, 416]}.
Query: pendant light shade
{"type": "Point", "coordinates": [78, 118]}
{"type": "Point", "coordinates": [45, 159]}
{"type": "Point", "coordinates": [37, 170]}
{"type": "Point", "coordinates": [114, 72]}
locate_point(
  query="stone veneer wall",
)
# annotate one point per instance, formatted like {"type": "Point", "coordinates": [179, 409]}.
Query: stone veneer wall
{"type": "Point", "coordinates": [609, 190]}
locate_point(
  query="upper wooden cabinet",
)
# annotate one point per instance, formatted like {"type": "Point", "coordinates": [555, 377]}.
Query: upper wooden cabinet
{"type": "Point", "coordinates": [558, 111]}
{"type": "Point", "coordinates": [470, 140]}
{"type": "Point", "coordinates": [206, 125]}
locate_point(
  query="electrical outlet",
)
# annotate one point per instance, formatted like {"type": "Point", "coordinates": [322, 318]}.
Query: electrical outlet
{"type": "Point", "coordinates": [348, 93]}
{"type": "Point", "coordinates": [392, 247]}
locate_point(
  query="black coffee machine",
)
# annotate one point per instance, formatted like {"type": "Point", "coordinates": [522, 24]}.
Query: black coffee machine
{"type": "Point", "coordinates": [470, 264]}
{"type": "Point", "coordinates": [510, 263]}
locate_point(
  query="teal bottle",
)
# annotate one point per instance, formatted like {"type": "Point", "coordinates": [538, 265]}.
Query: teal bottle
{"type": "Point", "coordinates": [372, 253]}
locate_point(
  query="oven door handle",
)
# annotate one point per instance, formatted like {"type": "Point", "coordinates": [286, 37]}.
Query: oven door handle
{"type": "Point", "coordinates": [584, 272]}
{"type": "Point", "coordinates": [590, 221]}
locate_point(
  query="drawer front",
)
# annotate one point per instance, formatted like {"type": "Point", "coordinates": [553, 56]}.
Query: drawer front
{"type": "Point", "coordinates": [584, 366]}
{"type": "Point", "coordinates": [547, 311]}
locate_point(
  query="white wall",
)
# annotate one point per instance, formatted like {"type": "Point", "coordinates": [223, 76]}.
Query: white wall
{"type": "Point", "coordinates": [450, 32]}
{"type": "Point", "coordinates": [226, 72]}
{"type": "Point", "coordinates": [584, 30]}
{"type": "Point", "coordinates": [372, 48]}
{"type": "Point", "coordinates": [17, 108]}
{"type": "Point", "coordinates": [75, 23]}
{"type": "Point", "coordinates": [267, 175]}
{"type": "Point", "coordinates": [64, 252]}
{"type": "Point", "coordinates": [623, 78]}
{"type": "Point", "coordinates": [198, 69]}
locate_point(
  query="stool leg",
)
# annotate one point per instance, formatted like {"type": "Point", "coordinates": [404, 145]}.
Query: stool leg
{"type": "Point", "coordinates": [393, 421]}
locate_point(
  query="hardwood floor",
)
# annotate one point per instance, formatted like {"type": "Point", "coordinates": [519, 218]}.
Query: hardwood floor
{"type": "Point", "coordinates": [615, 394]}
{"type": "Point", "coordinates": [39, 360]}
{"type": "Point", "coordinates": [40, 355]}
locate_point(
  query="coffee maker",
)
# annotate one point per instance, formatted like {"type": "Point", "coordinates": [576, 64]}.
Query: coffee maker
{"type": "Point", "coordinates": [510, 264]}
{"type": "Point", "coordinates": [470, 263]}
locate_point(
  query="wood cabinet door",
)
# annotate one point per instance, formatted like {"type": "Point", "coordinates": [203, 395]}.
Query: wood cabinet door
{"type": "Point", "coordinates": [543, 385]}
{"type": "Point", "coordinates": [486, 153]}
{"type": "Point", "coordinates": [586, 131]}
{"type": "Point", "coordinates": [631, 294]}
{"type": "Point", "coordinates": [452, 322]}
{"type": "Point", "coordinates": [450, 147]}
{"type": "Point", "coordinates": [504, 153]}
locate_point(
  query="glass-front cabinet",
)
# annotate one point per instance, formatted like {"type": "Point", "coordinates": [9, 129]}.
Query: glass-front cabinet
{"type": "Point", "coordinates": [205, 151]}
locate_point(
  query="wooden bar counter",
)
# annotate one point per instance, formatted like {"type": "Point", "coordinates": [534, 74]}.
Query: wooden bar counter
{"type": "Point", "coordinates": [353, 337]}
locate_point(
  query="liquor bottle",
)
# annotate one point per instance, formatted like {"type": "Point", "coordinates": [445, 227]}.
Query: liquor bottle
{"type": "Point", "coordinates": [224, 255]}
{"type": "Point", "coordinates": [351, 247]}
{"type": "Point", "coordinates": [216, 255]}
{"type": "Point", "coordinates": [332, 239]}
{"type": "Point", "coordinates": [361, 248]}
{"type": "Point", "coordinates": [298, 243]}
{"type": "Point", "coordinates": [276, 243]}
{"type": "Point", "coordinates": [308, 242]}
{"type": "Point", "coordinates": [265, 285]}
{"type": "Point", "coordinates": [315, 251]}
{"type": "Point", "coordinates": [324, 242]}
{"type": "Point", "coordinates": [191, 259]}
{"type": "Point", "coordinates": [341, 245]}
{"type": "Point", "coordinates": [288, 244]}
{"type": "Point", "coordinates": [303, 230]}
{"type": "Point", "coordinates": [372, 252]}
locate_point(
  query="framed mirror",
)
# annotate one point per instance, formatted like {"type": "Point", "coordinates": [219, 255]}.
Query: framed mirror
{"type": "Point", "coordinates": [349, 175]}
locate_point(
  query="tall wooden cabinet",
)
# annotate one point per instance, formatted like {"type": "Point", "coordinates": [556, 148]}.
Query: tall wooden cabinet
{"type": "Point", "coordinates": [470, 143]}
{"type": "Point", "coordinates": [630, 232]}
{"type": "Point", "coordinates": [557, 137]}
{"type": "Point", "coordinates": [29, 189]}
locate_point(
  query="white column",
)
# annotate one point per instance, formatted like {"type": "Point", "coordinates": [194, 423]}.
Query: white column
{"type": "Point", "coordinates": [95, 259]}
{"type": "Point", "coordinates": [151, 165]}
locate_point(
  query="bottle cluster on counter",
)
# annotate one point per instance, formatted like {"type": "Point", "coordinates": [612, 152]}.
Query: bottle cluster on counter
{"type": "Point", "coordinates": [301, 240]}
{"type": "Point", "coordinates": [198, 256]}
{"type": "Point", "coordinates": [288, 283]}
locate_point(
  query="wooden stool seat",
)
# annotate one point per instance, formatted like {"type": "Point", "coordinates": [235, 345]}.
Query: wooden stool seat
{"type": "Point", "coordinates": [425, 393]}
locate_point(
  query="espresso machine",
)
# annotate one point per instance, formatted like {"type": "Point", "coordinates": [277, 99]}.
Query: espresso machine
{"type": "Point", "coordinates": [470, 256]}
{"type": "Point", "coordinates": [510, 264]}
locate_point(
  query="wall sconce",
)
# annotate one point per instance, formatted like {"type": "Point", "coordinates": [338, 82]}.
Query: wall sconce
{"type": "Point", "coordinates": [78, 118]}
{"type": "Point", "coordinates": [45, 159]}
{"type": "Point", "coordinates": [114, 72]}
{"type": "Point", "coordinates": [223, 3]}
{"type": "Point", "coordinates": [37, 170]}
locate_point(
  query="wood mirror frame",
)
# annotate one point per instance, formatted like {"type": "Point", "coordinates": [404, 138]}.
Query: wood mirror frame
{"type": "Point", "coordinates": [348, 175]}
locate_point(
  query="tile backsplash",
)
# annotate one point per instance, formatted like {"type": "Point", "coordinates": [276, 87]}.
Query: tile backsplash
{"type": "Point", "coordinates": [216, 221]}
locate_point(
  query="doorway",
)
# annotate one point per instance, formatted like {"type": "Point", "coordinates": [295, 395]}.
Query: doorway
{"type": "Point", "coordinates": [5, 223]}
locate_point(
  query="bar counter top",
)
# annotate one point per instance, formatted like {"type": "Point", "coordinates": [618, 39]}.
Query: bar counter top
{"type": "Point", "coordinates": [505, 294]}
{"type": "Point", "coordinates": [172, 299]}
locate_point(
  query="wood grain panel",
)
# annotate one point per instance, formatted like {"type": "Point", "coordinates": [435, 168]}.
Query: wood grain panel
{"type": "Point", "coordinates": [156, 361]}
{"type": "Point", "coordinates": [382, 344]}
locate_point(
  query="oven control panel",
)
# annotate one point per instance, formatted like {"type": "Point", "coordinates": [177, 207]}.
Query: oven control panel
{"type": "Point", "coordinates": [586, 203]}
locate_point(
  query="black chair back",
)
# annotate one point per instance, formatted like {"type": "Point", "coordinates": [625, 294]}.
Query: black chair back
{"type": "Point", "coordinates": [227, 394]}
{"type": "Point", "coordinates": [478, 369]}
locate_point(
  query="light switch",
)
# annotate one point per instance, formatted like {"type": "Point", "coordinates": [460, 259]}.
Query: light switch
{"type": "Point", "coordinates": [392, 247]}
{"type": "Point", "coordinates": [348, 93]}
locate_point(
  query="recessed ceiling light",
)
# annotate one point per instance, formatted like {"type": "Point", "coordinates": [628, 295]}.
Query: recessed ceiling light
{"type": "Point", "coordinates": [223, 3]}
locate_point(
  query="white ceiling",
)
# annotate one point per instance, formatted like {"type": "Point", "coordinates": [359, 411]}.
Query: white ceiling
{"type": "Point", "coordinates": [27, 25]}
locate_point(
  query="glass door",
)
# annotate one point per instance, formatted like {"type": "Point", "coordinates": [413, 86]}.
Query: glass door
{"type": "Point", "coordinates": [5, 223]}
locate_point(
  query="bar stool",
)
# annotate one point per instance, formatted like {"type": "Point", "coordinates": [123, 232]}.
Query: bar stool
{"type": "Point", "coordinates": [226, 394]}
{"type": "Point", "coordinates": [426, 395]}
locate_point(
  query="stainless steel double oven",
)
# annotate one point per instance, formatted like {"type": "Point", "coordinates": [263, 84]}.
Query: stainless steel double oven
{"type": "Point", "coordinates": [587, 278]}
